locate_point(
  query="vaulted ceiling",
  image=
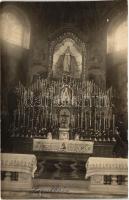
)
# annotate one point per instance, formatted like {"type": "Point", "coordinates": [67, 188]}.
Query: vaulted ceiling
{"type": "Point", "coordinates": [88, 13]}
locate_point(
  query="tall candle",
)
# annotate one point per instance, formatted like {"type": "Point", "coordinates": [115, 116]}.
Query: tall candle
{"type": "Point", "coordinates": [90, 102]}
{"type": "Point", "coordinates": [33, 118]}
{"type": "Point", "coordinates": [82, 115]}
{"type": "Point", "coordinates": [78, 120]}
{"type": "Point", "coordinates": [45, 118]}
{"type": "Point", "coordinates": [100, 121]}
{"type": "Point", "coordinates": [18, 116]}
{"type": "Point", "coordinates": [104, 123]}
{"type": "Point", "coordinates": [113, 123]}
{"type": "Point", "coordinates": [14, 119]}
{"type": "Point", "coordinates": [109, 122]}
{"type": "Point", "coordinates": [86, 120]}
{"type": "Point", "coordinates": [95, 119]}
{"type": "Point", "coordinates": [28, 118]}
{"type": "Point", "coordinates": [90, 118]}
{"type": "Point", "coordinates": [24, 118]}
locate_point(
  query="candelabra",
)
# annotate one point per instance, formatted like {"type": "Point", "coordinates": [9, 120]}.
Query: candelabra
{"type": "Point", "coordinates": [90, 108]}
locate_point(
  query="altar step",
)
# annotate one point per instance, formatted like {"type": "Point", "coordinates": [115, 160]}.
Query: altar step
{"type": "Point", "coordinates": [71, 189]}
{"type": "Point", "coordinates": [63, 189]}
{"type": "Point", "coordinates": [61, 186]}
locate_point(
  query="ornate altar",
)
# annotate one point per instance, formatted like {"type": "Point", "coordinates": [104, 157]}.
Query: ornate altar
{"type": "Point", "coordinates": [64, 118]}
{"type": "Point", "coordinates": [65, 105]}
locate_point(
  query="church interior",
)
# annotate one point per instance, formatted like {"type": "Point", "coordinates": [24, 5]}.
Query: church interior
{"type": "Point", "coordinates": [64, 117]}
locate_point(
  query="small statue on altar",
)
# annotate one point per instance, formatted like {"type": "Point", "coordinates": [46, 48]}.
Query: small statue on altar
{"type": "Point", "coordinates": [65, 95]}
{"type": "Point", "coordinates": [76, 136]}
{"type": "Point", "coordinates": [49, 136]}
{"type": "Point", "coordinates": [43, 134]}
{"type": "Point", "coordinates": [63, 147]}
{"type": "Point", "coordinates": [82, 136]}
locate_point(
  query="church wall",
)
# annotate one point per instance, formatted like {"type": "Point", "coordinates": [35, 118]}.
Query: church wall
{"type": "Point", "coordinates": [116, 69]}
{"type": "Point", "coordinates": [117, 77]}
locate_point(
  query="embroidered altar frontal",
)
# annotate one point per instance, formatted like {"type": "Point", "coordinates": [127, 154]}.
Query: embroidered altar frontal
{"type": "Point", "coordinates": [85, 147]}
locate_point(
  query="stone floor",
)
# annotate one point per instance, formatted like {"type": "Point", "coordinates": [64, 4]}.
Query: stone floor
{"type": "Point", "coordinates": [61, 189]}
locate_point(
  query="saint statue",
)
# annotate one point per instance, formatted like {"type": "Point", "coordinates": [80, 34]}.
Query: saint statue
{"type": "Point", "coordinates": [67, 60]}
{"type": "Point", "coordinates": [66, 63]}
{"type": "Point", "coordinates": [65, 96]}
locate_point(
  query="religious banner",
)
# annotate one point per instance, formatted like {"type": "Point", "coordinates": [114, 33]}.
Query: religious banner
{"type": "Point", "coordinates": [85, 147]}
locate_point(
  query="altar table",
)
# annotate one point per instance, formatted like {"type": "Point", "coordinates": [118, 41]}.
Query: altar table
{"type": "Point", "coordinates": [67, 146]}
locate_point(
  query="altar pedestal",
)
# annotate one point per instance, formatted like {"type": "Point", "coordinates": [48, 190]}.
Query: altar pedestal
{"type": "Point", "coordinates": [108, 175]}
{"type": "Point", "coordinates": [18, 171]}
{"type": "Point", "coordinates": [63, 133]}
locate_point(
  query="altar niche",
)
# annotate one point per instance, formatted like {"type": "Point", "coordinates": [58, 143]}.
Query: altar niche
{"type": "Point", "coordinates": [67, 56]}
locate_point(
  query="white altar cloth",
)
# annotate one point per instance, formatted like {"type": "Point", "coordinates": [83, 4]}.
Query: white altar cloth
{"type": "Point", "coordinates": [106, 166]}
{"type": "Point", "coordinates": [66, 146]}
{"type": "Point", "coordinates": [26, 163]}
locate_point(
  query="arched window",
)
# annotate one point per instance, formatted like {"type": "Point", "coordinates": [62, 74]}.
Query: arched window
{"type": "Point", "coordinates": [15, 28]}
{"type": "Point", "coordinates": [117, 39]}
{"type": "Point", "coordinates": [121, 37]}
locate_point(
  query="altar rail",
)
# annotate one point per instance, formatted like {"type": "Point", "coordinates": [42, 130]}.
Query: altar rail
{"type": "Point", "coordinates": [17, 171]}
{"type": "Point", "coordinates": [108, 175]}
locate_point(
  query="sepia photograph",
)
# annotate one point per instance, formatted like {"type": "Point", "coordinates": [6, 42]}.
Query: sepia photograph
{"type": "Point", "coordinates": [64, 99]}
